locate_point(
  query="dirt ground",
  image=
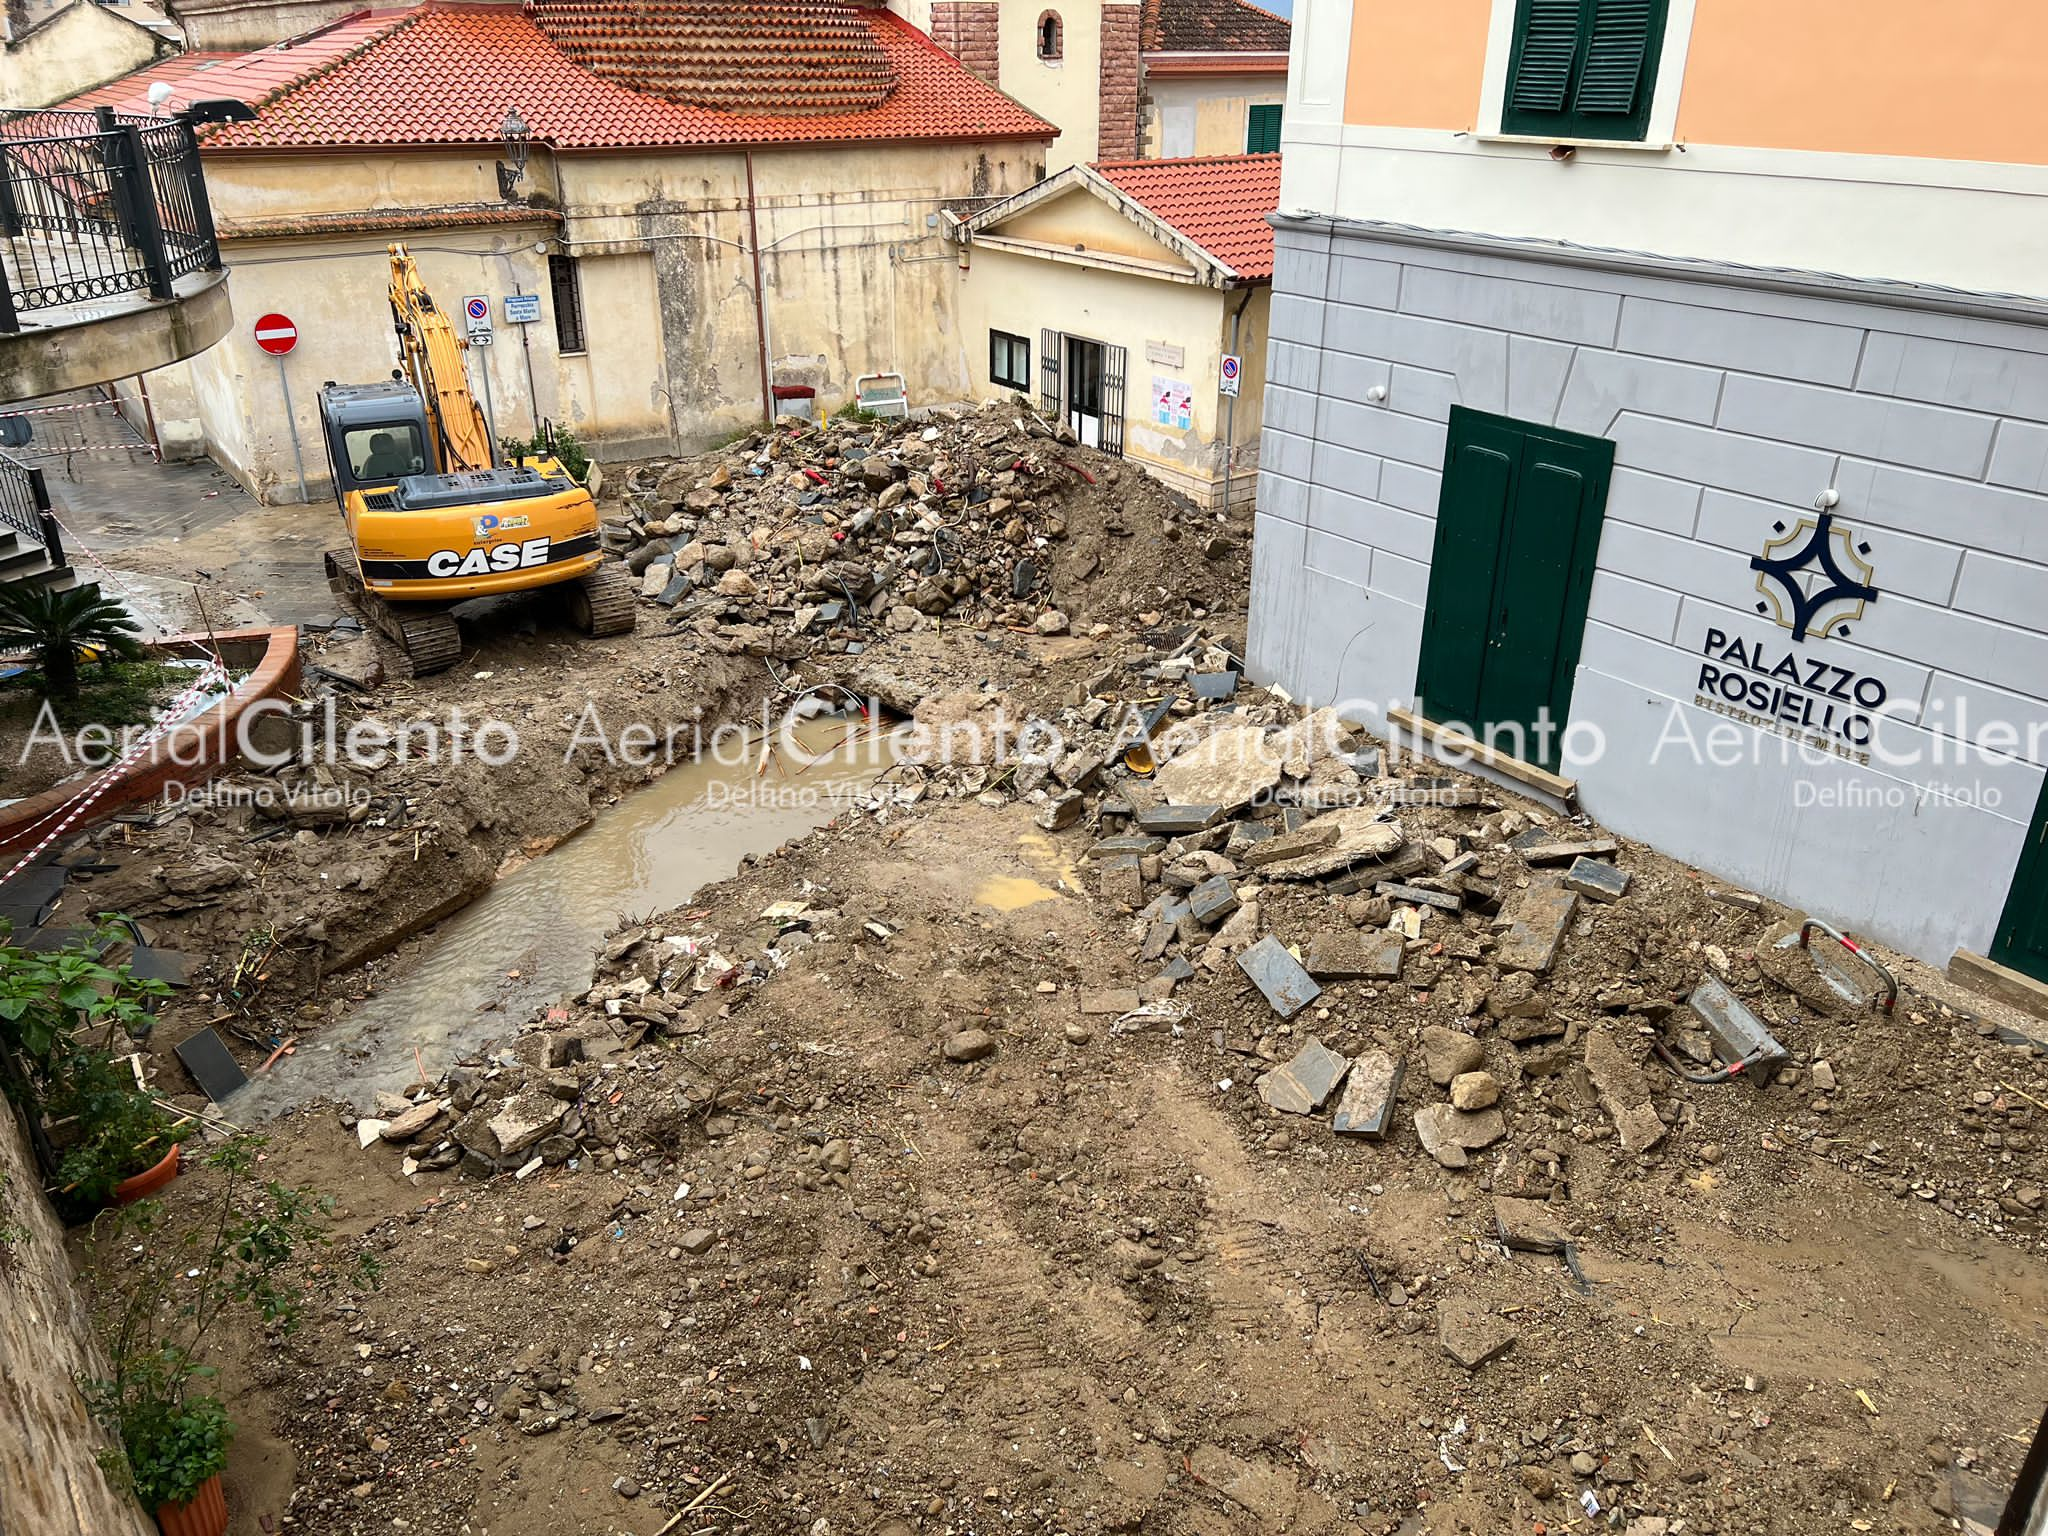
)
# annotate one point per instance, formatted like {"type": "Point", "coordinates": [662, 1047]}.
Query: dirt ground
{"type": "Point", "coordinates": [804, 1270]}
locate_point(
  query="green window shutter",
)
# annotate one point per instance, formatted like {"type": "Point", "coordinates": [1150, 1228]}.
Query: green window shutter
{"type": "Point", "coordinates": [1547, 46]}
{"type": "Point", "coordinates": [1584, 69]}
{"type": "Point", "coordinates": [1619, 47]}
{"type": "Point", "coordinates": [1262, 130]}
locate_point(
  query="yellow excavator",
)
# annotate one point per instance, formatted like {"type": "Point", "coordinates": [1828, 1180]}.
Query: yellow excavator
{"type": "Point", "coordinates": [434, 518]}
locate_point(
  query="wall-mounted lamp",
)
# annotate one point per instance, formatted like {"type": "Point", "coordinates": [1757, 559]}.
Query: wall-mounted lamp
{"type": "Point", "coordinates": [517, 138]}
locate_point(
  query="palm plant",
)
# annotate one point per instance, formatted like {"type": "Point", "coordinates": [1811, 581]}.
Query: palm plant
{"type": "Point", "coordinates": [58, 626]}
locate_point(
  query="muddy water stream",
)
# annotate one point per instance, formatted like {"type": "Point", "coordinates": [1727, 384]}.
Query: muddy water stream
{"type": "Point", "coordinates": [532, 938]}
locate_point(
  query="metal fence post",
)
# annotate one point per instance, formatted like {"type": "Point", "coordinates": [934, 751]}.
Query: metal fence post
{"type": "Point", "coordinates": [10, 210]}
{"type": "Point", "coordinates": [148, 221]}
{"type": "Point", "coordinates": [202, 205]}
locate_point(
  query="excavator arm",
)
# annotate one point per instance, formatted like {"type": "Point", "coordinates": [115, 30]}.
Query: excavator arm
{"type": "Point", "coordinates": [433, 359]}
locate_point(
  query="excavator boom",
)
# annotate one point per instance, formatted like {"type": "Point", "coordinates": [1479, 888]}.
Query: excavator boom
{"type": "Point", "coordinates": [433, 359]}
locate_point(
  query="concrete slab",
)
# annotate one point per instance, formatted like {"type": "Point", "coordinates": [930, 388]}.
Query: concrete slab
{"type": "Point", "coordinates": [1535, 928]}
{"type": "Point", "coordinates": [1303, 1085]}
{"type": "Point", "coordinates": [1367, 1107]}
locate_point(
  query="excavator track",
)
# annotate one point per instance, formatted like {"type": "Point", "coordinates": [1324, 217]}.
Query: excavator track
{"type": "Point", "coordinates": [604, 602]}
{"type": "Point", "coordinates": [428, 635]}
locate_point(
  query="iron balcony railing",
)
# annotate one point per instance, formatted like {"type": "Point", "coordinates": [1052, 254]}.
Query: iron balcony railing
{"type": "Point", "coordinates": [25, 506]}
{"type": "Point", "coordinates": [95, 206]}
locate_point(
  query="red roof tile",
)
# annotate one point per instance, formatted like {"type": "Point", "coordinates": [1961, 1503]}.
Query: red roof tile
{"type": "Point", "coordinates": [1211, 26]}
{"type": "Point", "coordinates": [445, 75]}
{"type": "Point", "coordinates": [1220, 202]}
{"type": "Point", "coordinates": [244, 77]}
{"type": "Point", "coordinates": [738, 55]}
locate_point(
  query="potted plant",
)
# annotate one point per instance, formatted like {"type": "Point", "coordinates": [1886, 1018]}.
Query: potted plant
{"type": "Point", "coordinates": [126, 1144]}
{"type": "Point", "coordinates": [160, 1290]}
{"type": "Point", "coordinates": [61, 1013]}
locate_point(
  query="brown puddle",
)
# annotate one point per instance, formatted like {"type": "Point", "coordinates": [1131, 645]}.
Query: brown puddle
{"type": "Point", "coordinates": [531, 939]}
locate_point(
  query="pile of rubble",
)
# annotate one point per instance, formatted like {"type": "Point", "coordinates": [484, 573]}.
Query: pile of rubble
{"type": "Point", "coordinates": [810, 537]}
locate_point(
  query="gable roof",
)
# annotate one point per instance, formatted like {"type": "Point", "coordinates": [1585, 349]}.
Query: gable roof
{"type": "Point", "coordinates": [1211, 210]}
{"type": "Point", "coordinates": [243, 77]}
{"type": "Point", "coordinates": [1220, 203]}
{"type": "Point", "coordinates": [1211, 26]}
{"type": "Point", "coordinates": [444, 74]}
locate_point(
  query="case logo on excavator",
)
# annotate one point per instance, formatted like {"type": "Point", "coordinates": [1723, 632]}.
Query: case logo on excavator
{"type": "Point", "coordinates": [482, 562]}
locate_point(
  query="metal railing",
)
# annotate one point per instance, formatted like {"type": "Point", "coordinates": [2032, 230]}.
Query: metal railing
{"type": "Point", "coordinates": [25, 506]}
{"type": "Point", "coordinates": [94, 206]}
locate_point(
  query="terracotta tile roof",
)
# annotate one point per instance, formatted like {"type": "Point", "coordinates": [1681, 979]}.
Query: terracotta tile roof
{"type": "Point", "coordinates": [738, 55]}
{"type": "Point", "coordinates": [379, 220]}
{"type": "Point", "coordinates": [1215, 64]}
{"type": "Point", "coordinates": [1211, 26]}
{"type": "Point", "coordinates": [245, 77]}
{"type": "Point", "coordinates": [398, 92]}
{"type": "Point", "coordinates": [1220, 202]}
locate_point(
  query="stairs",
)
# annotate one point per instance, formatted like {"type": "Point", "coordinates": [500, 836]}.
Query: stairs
{"type": "Point", "coordinates": [24, 559]}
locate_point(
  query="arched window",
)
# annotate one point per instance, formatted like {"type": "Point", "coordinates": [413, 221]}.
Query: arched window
{"type": "Point", "coordinates": [1049, 35]}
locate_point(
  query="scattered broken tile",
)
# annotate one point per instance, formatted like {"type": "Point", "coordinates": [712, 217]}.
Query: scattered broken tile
{"type": "Point", "coordinates": [1179, 968]}
{"type": "Point", "coordinates": [1213, 900]}
{"type": "Point", "coordinates": [1539, 845]}
{"type": "Point", "coordinates": [1302, 1086]}
{"type": "Point", "coordinates": [1350, 954]}
{"type": "Point", "coordinates": [1536, 927]}
{"type": "Point", "coordinates": [1367, 1107]}
{"type": "Point", "coordinates": [1601, 882]}
{"type": "Point", "coordinates": [206, 1057]}
{"type": "Point", "coordinates": [1177, 820]}
{"type": "Point", "coordinates": [1213, 685]}
{"type": "Point", "coordinates": [1124, 842]}
{"type": "Point", "coordinates": [1472, 1334]}
{"type": "Point", "coordinates": [1120, 878]}
{"type": "Point", "coordinates": [1113, 1000]}
{"type": "Point", "coordinates": [1529, 1225]}
{"type": "Point", "coordinates": [1276, 973]}
{"type": "Point", "coordinates": [1294, 844]}
{"type": "Point", "coordinates": [1419, 895]}
{"type": "Point", "coordinates": [1447, 1134]}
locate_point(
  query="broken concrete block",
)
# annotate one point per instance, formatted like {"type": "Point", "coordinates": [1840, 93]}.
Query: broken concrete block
{"type": "Point", "coordinates": [1303, 1085]}
{"type": "Point", "coordinates": [1213, 900]}
{"type": "Point", "coordinates": [1291, 845]}
{"type": "Point", "coordinates": [1178, 820]}
{"type": "Point", "coordinates": [1367, 1107]}
{"type": "Point", "coordinates": [1114, 1000]}
{"type": "Point", "coordinates": [1124, 842]}
{"type": "Point", "coordinates": [1532, 1226]}
{"type": "Point", "coordinates": [523, 1119]}
{"type": "Point", "coordinates": [1448, 1133]}
{"type": "Point", "coordinates": [1361, 835]}
{"type": "Point", "coordinates": [1446, 1053]}
{"type": "Point", "coordinates": [1063, 812]}
{"type": "Point", "coordinates": [1276, 973]}
{"type": "Point", "coordinates": [407, 1126]}
{"type": "Point", "coordinates": [1747, 901]}
{"type": "Point", "coordinates": [1120, 878]}
{"type": "Point", "coordinates": [1601, 882]}
{"type": "Point", "coordinates": [1539, 845]}
{"type": "Point", "coordinates": [1226, 769]}
{"type": "Point", "coordinates": [1623, 1092]}
{"type": "Point", "coordinates": [1419, 895]}
{"type": "Point", "coordinates": [1471, 1334]}
{"type": "Point", "coordinates": [1515, 996]}
{"type": "Point", "coordinates": [1349, 954]}
{"type": "Point", "coordinates": [1536, 927]}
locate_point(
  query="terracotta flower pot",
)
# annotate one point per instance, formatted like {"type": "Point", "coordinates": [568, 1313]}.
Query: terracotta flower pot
{"type": "Point", "coordinates": [149, 1181]}
{"type": "Point", "coordinates": [204, 1514]}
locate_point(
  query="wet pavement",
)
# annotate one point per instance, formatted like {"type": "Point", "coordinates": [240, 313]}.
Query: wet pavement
{"type": "Point", "coordinates": [184, 544]}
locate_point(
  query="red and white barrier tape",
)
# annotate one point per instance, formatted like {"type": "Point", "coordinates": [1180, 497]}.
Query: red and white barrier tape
{"type": "Point", "coordinates": [52, 410]}
{"type": "Point", "coordinates": [72, 540]}
{"type": "Point", "coordinates": [172, 716]}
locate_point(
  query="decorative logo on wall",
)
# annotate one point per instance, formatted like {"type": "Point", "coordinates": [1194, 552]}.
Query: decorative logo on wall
{"type": "Point", "coordinates": [1813, 578]}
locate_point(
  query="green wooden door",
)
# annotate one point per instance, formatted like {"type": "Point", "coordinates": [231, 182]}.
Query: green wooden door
{"type": "Point", "coordinates": [1518, 528]}
{"type": "Point", "coordinates": [2022, 939]}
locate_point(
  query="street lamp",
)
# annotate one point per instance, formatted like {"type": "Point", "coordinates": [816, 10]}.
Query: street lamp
{"type": "Point", "coordinates": [517, 138]}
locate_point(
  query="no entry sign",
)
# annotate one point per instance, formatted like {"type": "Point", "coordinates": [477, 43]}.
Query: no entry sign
{"type": "Point", "coordinates": [276, 334]}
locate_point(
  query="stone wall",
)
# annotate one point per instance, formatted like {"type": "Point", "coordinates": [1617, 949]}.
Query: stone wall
{"type": "Point", "coordinates": [50, 1482]}
{"type": "Point", "coordinates": [1740, 405]}
{"type": "Point", "coordinates": [1117, 134]}
{"type": "Point", "coordinates": [967, 29]}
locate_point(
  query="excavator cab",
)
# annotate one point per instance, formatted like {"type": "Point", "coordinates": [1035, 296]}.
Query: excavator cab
{"type": "Point", "coordinates": [376, 436]}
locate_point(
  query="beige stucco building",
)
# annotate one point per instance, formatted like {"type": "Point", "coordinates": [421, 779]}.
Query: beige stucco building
{"type": "Point", "coordinates": [689, 258]}
{"type": "Point", "coordinates": [1112, 294]}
